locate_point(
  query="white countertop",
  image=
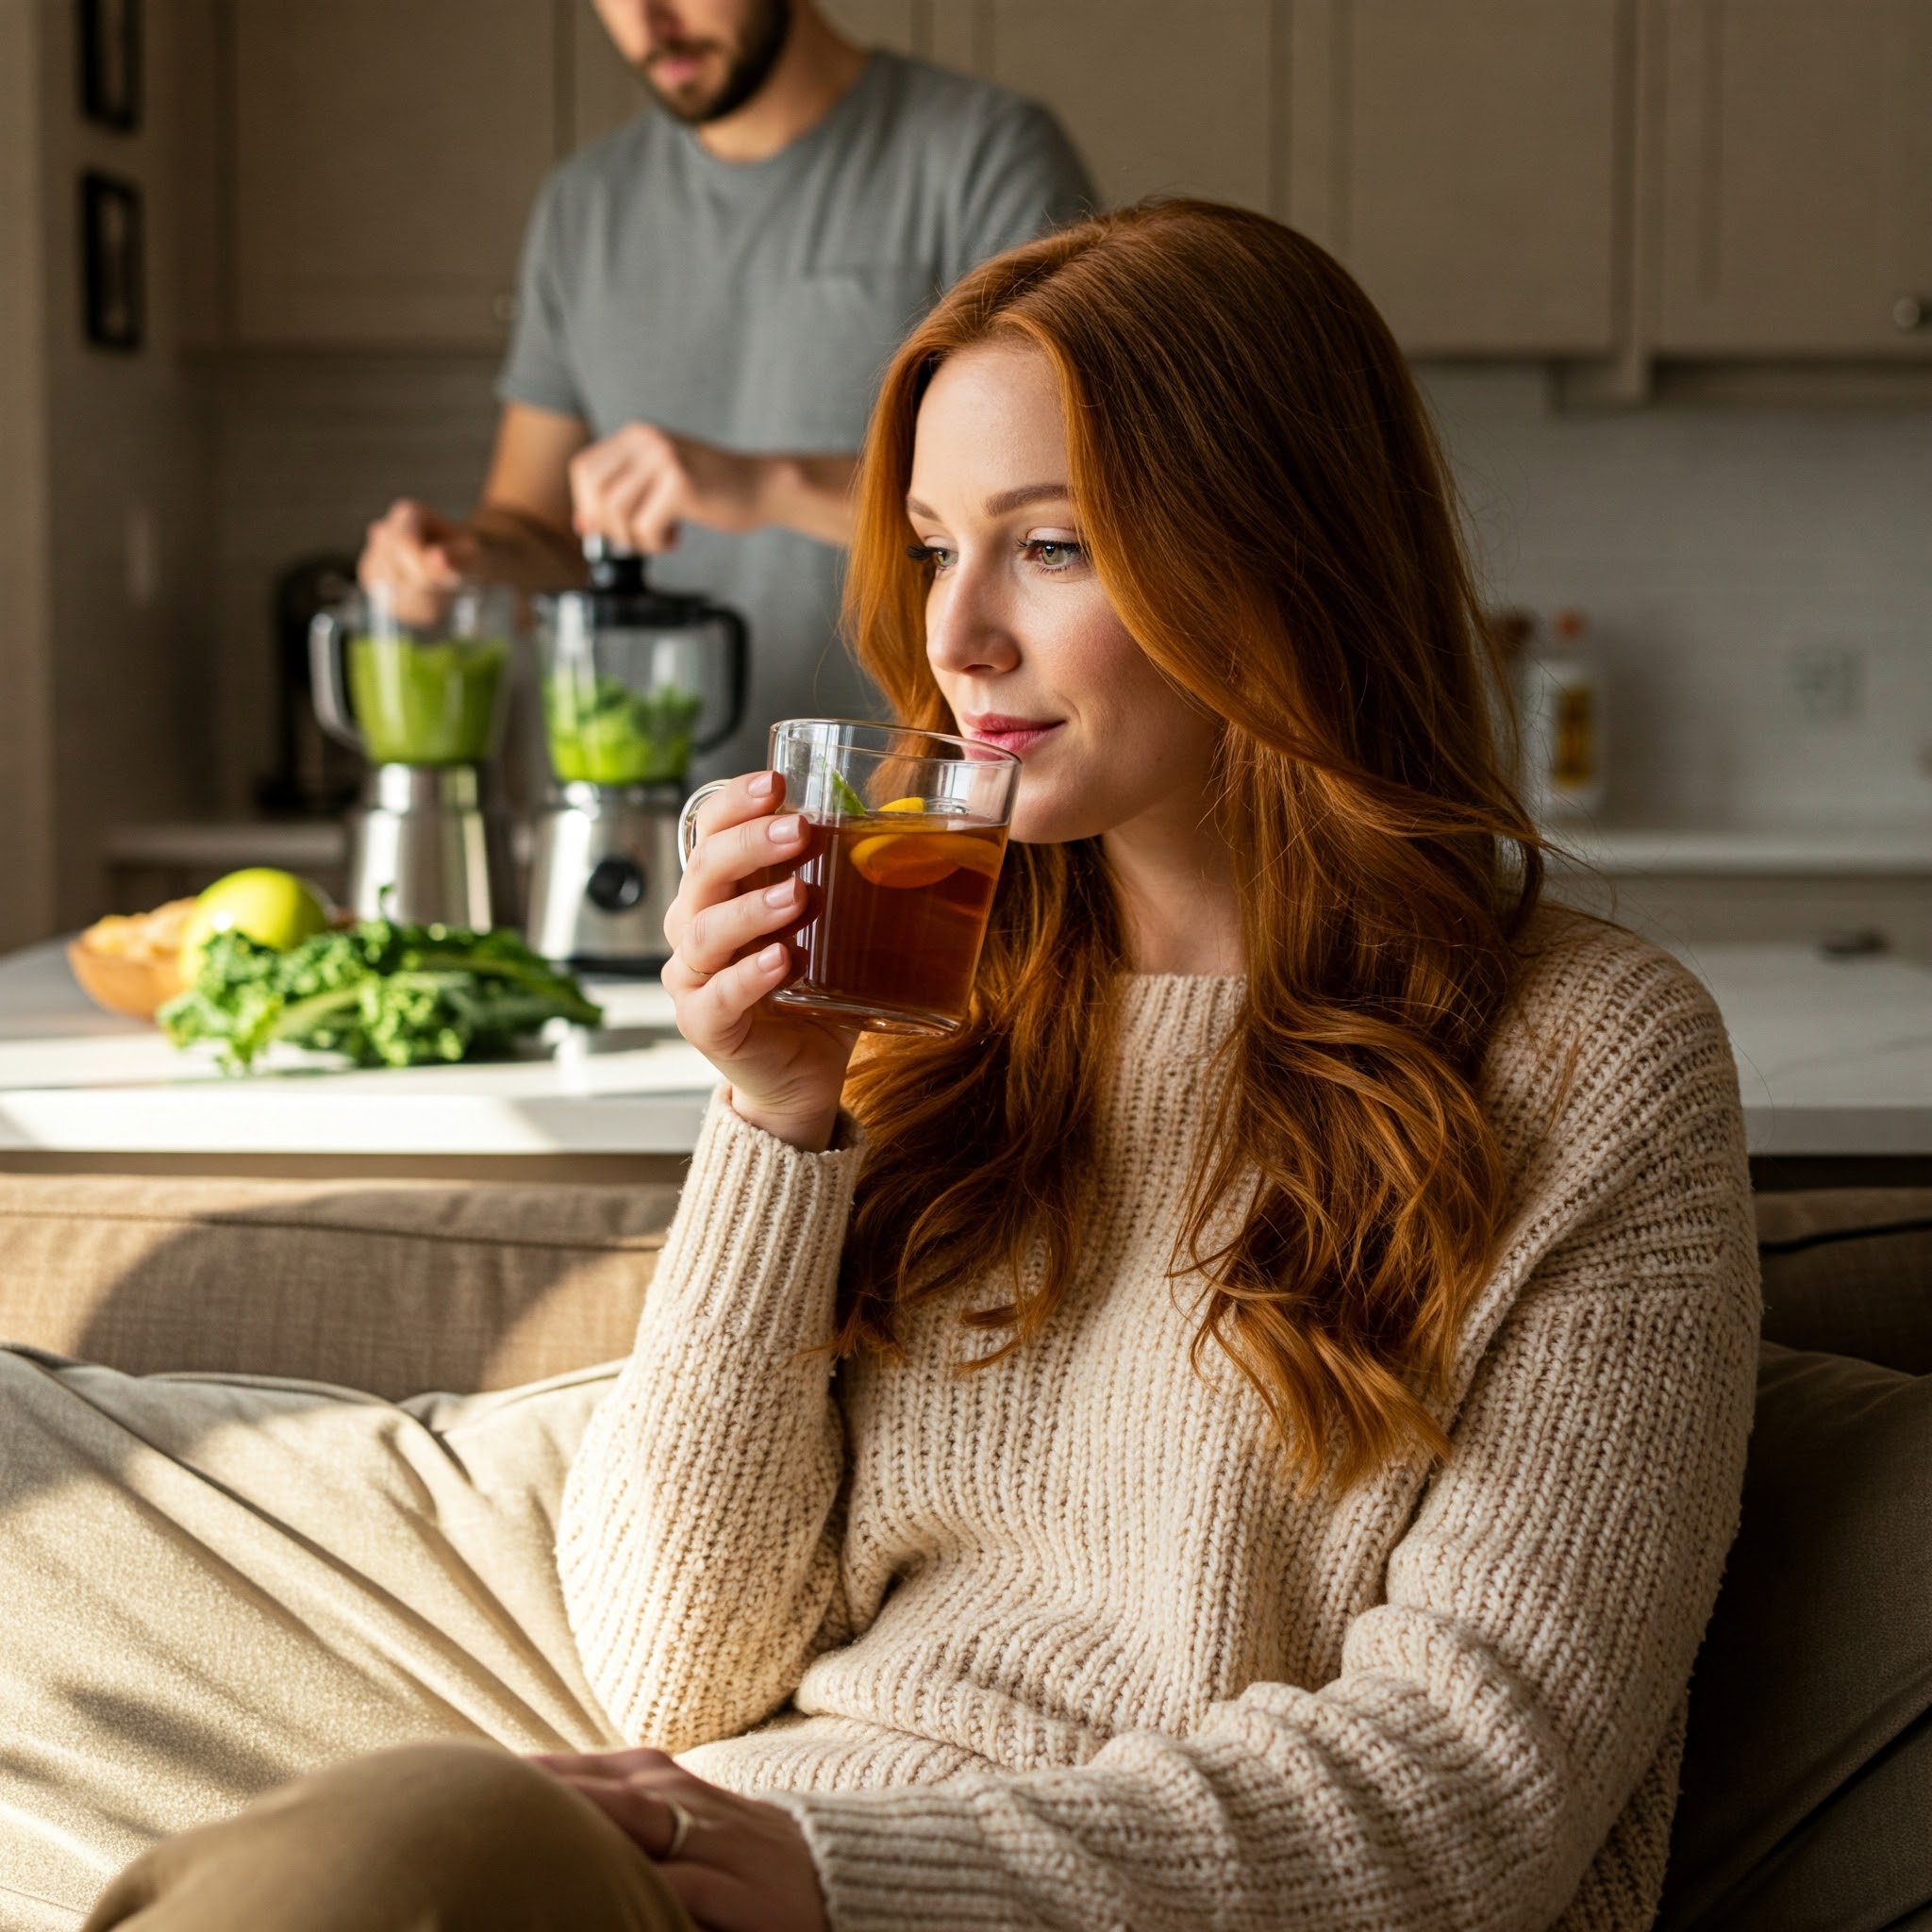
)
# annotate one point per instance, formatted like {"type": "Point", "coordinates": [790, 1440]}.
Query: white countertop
{"type": "Point", "coordinates": [1874, 851]}
{"type": "Point", "coordinates": [1834, 1058]}
{"type": "Point", "coordinates": [1852, 851]}
{"type": "Point", "coordinates": [78, 1081]}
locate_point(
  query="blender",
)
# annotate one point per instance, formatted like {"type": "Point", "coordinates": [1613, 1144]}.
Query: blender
{"type": "Point", "coordinates": [636, 683]}
{"type": "Point", "coordinates": [418, 682]}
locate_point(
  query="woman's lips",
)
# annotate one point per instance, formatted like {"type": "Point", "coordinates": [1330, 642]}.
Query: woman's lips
{"type": "Point", "coordinates": [1016, 735]}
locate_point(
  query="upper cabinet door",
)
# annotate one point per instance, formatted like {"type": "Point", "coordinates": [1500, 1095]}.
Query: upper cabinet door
{"type": "Point", "coordinates": [605, 92]}
{"type": "Point", "coordinates": [1797, 177]}
{"type": "Point", "coordinates": [387, 153]}
{"type": "Point", "coordinates": [1465, 160]}
{"type": "Point", "coordinates": [1157, 97]}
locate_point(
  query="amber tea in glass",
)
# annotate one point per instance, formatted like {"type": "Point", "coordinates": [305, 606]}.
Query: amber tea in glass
{"type": "Point", "coordinates": [905, 831]}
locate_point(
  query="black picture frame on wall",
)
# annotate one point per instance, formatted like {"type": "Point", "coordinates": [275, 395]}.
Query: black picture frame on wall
{"type": "Point", "coordinates": [109, 42]}
{"type": "Point", "coordinates": [112, 268]}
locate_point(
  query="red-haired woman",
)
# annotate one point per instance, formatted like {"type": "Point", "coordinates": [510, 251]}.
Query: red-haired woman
{"type": "Point", "coordinates": [1244, 1433]}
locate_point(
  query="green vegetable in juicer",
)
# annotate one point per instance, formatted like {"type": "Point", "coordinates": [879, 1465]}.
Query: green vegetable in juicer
{"type": "Point", "coordinates": [603, 732]}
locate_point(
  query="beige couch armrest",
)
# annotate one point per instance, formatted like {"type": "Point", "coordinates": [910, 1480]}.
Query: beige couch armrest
{"type": "Point", "coordinates": [395, 1286]}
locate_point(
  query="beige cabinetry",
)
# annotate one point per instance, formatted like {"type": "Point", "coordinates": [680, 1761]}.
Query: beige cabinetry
{"type": "Point", "coordinates": [1797, 176]}
{"type": "Point", "coordinates": [1158, 100]}
{"type": "Point", "coordinates": [385, 154]}
{"type": "Point", "coordinates": [1465, 161]}
{"type": "Point", "coordinates": [1600, 181]}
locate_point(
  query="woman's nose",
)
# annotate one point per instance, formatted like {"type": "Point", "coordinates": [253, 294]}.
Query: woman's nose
{"type": "Point", "coordinates": [967, 625]}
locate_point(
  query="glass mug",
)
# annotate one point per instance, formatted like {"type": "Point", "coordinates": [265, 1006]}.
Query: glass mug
{"type": "Point", "coordinates": [905, 831]}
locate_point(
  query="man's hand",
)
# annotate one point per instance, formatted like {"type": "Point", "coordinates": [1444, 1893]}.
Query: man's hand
{"type": "Point", "coordinates": [415, 550]}
{"type": "Point", "coordinates": [637, 486]}
{"type": "Point", "coordinates": [742, 1866]}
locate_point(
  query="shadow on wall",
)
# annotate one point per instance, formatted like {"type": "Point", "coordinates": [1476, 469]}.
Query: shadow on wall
{"type": "Point", "coordinates": [393, 1287]}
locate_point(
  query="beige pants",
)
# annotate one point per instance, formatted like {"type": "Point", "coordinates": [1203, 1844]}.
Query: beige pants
{"type": "Point", "coordinates": [210, 1585]}
{"type": "Point", "coordinates": [430, 1837]}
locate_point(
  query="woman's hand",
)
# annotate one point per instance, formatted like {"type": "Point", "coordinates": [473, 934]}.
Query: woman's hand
{"type": "Point", "coordinates": [735, 1865]}
{"type": "Point", "coordinates": [786, 1070]}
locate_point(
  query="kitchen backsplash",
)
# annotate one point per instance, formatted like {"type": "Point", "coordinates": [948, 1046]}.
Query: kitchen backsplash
{"type": "Point", "coordinates": [1758, 581]}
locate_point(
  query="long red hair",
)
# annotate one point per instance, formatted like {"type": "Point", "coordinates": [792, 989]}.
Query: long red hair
{"type": "Point", "coordinates": [1259, 491]}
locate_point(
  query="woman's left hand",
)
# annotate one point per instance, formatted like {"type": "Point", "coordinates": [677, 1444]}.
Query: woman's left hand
{"type": "Point", "coordinates": [742, 1866]}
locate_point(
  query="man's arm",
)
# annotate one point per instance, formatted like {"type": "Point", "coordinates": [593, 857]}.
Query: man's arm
{"type": "Point", "coordinates": [520, 532]}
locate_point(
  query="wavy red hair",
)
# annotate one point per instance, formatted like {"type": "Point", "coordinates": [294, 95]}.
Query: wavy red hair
{"type": "Point", "coordinates": [1260, 493]}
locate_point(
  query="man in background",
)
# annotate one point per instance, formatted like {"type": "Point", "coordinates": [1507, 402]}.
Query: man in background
{"type": "Point", "coordinates": [708, 297]}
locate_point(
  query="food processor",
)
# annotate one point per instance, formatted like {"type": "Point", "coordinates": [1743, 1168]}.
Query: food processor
{"type": "Point", "coordinates": [418, 682]}
{"type": "Point", "coordinates": [636, 683]}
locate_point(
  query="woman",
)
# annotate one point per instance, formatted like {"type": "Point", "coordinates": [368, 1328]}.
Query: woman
{"type": "Point", "coordinates": [1246, 1431]}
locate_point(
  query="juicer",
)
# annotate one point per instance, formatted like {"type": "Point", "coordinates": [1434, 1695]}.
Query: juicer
{"type": "Point", "coordinates": [636, 683]}
{"type": "Point", "coordinates": [419, 682]}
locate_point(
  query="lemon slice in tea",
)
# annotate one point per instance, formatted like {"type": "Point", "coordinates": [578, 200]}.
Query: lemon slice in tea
{"type": "Point", "coordinates": [905, 859]}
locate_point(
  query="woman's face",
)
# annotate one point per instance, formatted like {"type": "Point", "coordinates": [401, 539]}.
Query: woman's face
{"type": "Point", "coordinates": [1020, 634]}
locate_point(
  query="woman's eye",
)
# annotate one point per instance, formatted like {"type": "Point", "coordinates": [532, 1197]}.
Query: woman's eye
{"type": "Point", "coordinates": [935, 554]}
{"type": "Point", "coordinates": [1052, 552]}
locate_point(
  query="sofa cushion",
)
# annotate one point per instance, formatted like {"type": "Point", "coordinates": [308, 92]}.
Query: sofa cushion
{"type": "Point", "coordinates": [394, 1286]}
{"type": "Point", "coordinates": [1808, 1770]}
{"type": "Point", "coordinates": [1849, 1271]}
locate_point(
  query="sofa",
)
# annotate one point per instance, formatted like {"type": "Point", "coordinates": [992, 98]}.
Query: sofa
{"type": "Point", "coordinates": [1806, 1802]}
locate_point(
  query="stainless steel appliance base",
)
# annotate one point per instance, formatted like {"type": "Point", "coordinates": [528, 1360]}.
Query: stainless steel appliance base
{"type": "Point", "coordinates": [603, 873]}
{"type": "Point", "coordinates": [430, 845]}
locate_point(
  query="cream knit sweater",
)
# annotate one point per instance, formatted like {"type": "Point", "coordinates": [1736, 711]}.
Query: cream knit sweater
{"type": "Point", "coordinates": [1058, 1644]}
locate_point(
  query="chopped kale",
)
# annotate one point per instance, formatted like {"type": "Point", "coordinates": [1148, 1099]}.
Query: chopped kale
{"type": "Point", "coordinates": [382, 993]}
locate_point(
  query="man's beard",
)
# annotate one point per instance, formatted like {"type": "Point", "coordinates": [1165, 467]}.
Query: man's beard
{"type": "Point", "coordinates": [758, 54]}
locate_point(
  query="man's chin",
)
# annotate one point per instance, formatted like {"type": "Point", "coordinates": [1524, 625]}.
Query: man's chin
{"type": "Point", "coordinates": [692, 100]}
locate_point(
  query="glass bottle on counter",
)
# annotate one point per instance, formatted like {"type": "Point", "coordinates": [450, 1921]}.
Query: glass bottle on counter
{"type": "Point", "coordinates": [1561, 723]}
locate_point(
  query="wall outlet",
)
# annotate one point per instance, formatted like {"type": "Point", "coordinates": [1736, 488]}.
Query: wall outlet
{"type": "Point", "coordinates": [1827, 682]}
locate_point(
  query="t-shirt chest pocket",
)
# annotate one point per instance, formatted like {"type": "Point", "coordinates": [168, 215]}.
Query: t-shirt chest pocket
{"type": "Point", "coordinates": [820, 346]}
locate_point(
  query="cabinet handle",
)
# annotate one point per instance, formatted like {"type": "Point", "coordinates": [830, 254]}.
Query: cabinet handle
{"type": "Point", "coordinates": [1909, 312]}
{"type": "Point", "coordinates": [503, 309]}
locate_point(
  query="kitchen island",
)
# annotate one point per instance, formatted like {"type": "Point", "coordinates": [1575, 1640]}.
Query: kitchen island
{"type": "Point", "coordinates": [1834, 1063]}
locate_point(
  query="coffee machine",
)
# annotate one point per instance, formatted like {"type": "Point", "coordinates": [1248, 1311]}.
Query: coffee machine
{"type": "Point", "coordinates": [636, 683]}
{"type": "Point", "coordinates": [418, 682]}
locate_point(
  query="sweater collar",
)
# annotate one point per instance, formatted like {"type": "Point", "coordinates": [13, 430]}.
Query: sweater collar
{"type": "Point", "coordinates": [1178, 1018]}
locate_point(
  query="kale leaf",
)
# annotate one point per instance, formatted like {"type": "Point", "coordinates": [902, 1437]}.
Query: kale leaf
{"type": "Point", "coordinates": [383, 993]}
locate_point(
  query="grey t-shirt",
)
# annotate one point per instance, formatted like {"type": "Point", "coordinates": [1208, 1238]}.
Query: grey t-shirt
{"type": "Point", "coordinates": [756, 304]}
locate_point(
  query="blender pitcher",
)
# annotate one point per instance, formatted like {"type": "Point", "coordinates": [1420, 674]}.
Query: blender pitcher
{"type": "Point", "coordinates": [419, 682]}
{"type": "Point", "coordinates": [636, 683]}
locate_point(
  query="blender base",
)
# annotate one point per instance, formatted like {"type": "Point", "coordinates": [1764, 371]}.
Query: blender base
{"type": "Point", "coordinates": [429, 846]}
{"type": "Point", "coordinates": [603, 871]}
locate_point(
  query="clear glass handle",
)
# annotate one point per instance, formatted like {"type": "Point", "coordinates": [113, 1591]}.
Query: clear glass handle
{"type": "Point", "coordinates": [688, 820]}
{"type": "Point", "coordinates": [331, 701]}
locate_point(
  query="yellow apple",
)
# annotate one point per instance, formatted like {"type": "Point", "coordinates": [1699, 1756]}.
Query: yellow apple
{"type": "Point", "coordinates": [274, 908]}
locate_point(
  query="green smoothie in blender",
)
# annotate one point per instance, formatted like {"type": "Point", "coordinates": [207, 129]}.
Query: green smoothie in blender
{"type": "Point", "coordinates": [427, 704]}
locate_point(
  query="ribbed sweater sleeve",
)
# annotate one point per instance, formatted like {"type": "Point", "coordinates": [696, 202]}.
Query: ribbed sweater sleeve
{"type": "Point", "coordinates": [1529, 1652]}
{"type": "Point", "coordinates": [694, 1545]}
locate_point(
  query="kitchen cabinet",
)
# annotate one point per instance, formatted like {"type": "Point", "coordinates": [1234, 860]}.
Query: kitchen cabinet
{"type": "Point", "coordinates": [385, 153]}
{"type": "Point", "coordinates": [1796, 177]}
{"type": "Point", "coordinates": [1466, 163]}
{"type": "Point", "coordinates": [1600, 182]}
{"type": "Point", "coordinates": [1156, 99]}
